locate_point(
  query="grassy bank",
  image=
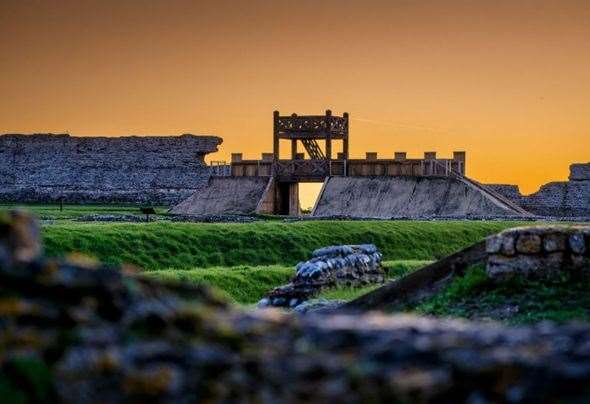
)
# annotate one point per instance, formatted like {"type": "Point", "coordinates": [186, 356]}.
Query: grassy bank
{"type": "Point", "coordinates": [395, 269]}
{"type": "Point", "coordinates": [247, 284]}
{"type": "Point", "coordinates": [518, 301]}
{"type": "Point", "coordinates": [242, 284]}
{"type": "Point", "coordinates": [156, 246]}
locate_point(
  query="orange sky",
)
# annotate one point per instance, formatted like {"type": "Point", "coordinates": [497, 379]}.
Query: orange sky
{"type": "Point", "coordinates": [507, 81]}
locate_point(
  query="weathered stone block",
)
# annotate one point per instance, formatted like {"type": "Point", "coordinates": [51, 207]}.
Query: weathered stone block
{"type": "Point", "coordinates": [551, 266]}
{"type": "Point", "coordinates": [528, 243]}
{"type": "Point", "coordinates": [577, 243]}
{"type": "Point", "coordinates": [493, 244]}
{"type": "Point", "coordinates": [508, 245]}
{"type": "Point", "coordinates": [555, 242]}
{"type": "Point", "coordinates": [501, 268]}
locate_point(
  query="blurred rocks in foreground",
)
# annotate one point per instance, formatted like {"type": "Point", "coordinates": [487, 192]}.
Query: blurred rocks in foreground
{"type": "Point", "coordinates": [72, 333]}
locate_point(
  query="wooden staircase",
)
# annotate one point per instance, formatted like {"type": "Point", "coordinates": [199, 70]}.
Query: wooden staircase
{"type": "Point", "coordinates": [313, 149]}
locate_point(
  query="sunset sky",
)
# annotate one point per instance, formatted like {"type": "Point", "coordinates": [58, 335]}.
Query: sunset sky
{"type": "Point", "coordinates": [506, 81]}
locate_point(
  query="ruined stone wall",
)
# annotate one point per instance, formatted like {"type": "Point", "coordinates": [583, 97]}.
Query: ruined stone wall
{"type": "Point", "coordinates": [541, 252]}
{"type": "Point", "coordinates": [567, 198]}
{"type": "Point", "coordinates": [135, 169]}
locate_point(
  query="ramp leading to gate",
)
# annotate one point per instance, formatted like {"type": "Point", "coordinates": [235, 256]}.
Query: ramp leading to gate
{"type": "Point", "coordinates": [408, 196]}
{"type": "Point", "coordinates": [226, 195]}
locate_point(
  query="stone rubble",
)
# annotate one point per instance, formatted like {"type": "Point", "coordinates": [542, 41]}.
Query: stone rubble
{"type": "Point", "coordinates": [539, 252]}
{"type": "Point", "coordinates": [70, 333]}
{"type": "Point", "coordinates": [329, 267]}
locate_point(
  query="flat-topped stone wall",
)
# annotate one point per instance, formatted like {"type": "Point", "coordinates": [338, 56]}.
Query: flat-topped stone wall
{"type": "Point", "coordinates": [564, 198]}
{"type": "Point", "coordinates": [133, 169]}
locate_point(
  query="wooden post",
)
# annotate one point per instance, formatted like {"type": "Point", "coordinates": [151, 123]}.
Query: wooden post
{"type": "Point", "coordinates": [275, 145]}
{"type": "Point", "coordinates": [345, 141]}
{"type": "Point", "coordinates": [293, 149]}
{"type": "Point", "coordinates": [328, 135]}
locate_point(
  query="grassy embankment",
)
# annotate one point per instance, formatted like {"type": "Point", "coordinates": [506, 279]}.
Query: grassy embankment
{"type": "Point", "coordinates": [247, 260]}
{"type": "Point", "coordinates": [518, 301]}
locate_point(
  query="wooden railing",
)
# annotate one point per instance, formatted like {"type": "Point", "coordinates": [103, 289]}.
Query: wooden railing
{"type": "Point", "coordinates": [318, 169]}
{"type": "Point", "coordinates": [313, 124]}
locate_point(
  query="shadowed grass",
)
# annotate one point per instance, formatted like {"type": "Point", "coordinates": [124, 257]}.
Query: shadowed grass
{"type": "Point", "coordinates": [242, 284]}
{"type": "Point", "coordinates": [163, 245]}
{"type": "Point", "coordinates": [395, 269]}
{"type": "Point", "coordinates": [518, 301]}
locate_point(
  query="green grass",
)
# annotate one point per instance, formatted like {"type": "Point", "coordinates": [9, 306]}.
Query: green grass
{"type": "Point", "coordinates": [164, 245]}
{"type": "Point", "coordinates": [518, 301]}
{"type": "Point", "coordinates": [247, 285]}
{"type": "Point", "coordinates": [395, 269]}
{"type": "Point", "coordinates": [242, 284]}
{"type": "Point", "coordinates": [53, 211]}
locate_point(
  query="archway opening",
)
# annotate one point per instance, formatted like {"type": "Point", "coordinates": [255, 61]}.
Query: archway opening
{"type": "Point", "coordinates": [308, 195]}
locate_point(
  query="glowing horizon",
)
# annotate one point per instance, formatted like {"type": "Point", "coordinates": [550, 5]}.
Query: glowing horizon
{"type": "Point", "coordinates": [507, 82]}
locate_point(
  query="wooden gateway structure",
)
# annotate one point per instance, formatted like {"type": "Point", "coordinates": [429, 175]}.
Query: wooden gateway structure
{"type": "Point", "coordinates": [395, 186]}
{"type": "Point", "coordinates": [318, 134]}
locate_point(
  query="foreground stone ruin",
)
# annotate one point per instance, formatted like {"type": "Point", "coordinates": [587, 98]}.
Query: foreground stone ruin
{"type": "Point", "coordinates": [90, 333]}
{"type": "Point", "coordinates": [330, 267]}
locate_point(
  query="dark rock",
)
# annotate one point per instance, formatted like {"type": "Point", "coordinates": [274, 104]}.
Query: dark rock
{"type": "Point", "coordinates": [345, 265]}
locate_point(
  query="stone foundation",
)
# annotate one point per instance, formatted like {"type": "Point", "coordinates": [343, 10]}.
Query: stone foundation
{"type": "Point", "coordinates": [336, 266]}
{"type": "Point", "coordinates": [539, 252]}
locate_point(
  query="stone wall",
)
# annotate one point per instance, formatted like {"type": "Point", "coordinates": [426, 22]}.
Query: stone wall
{"type": "Point", "coordinates": [542, 252]}
{"type": "Point", "coordinates": [559, 199]}
{"type": "Point", "coordinates": [134, 169]}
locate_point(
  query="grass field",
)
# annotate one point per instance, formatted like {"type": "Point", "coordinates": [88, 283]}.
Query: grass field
{"type": "Point", "coordinates": [166, 245]}
{"type": "Point", "coordinates": [55, 212]}
{"type": "Point", "coordinates": [248, 284]}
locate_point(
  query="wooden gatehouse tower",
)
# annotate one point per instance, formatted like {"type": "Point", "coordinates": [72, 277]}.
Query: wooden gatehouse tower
{"type": "Point", "coordinates": [308, 130]}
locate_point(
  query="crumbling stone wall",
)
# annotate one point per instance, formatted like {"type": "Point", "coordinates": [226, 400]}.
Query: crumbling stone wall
{"type": "Point", "coordinates": [134, 169]}
{"type": "Point", "coordinates": [559, 199]}
{"type": "Point", "coordinates": [74, 332]}
{"type": "Point", "coordinates": [541, 252]}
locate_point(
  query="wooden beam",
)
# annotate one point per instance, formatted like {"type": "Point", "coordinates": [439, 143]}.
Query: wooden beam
{"type": "Point", "coordinates": [275, 144]}
{"type": "Point", "coordinates": [293, 149]}
{"type": "Point", "coordinates": [328, 135]}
